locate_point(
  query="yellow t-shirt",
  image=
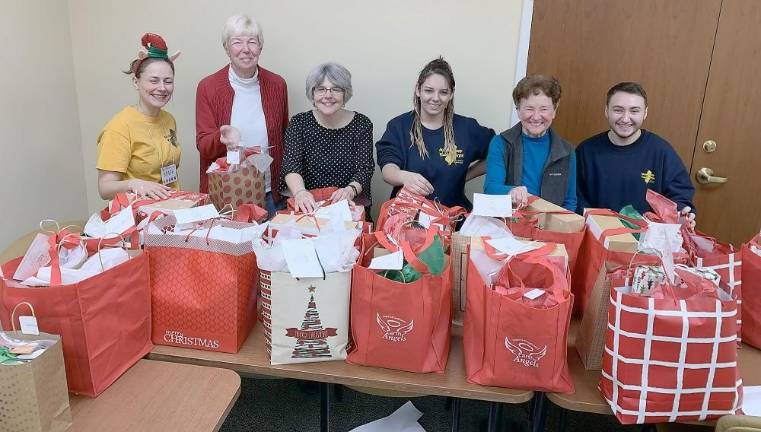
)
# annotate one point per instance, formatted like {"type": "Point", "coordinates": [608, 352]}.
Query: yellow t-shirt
{"type": "Point", "coordinates": [138, 145]}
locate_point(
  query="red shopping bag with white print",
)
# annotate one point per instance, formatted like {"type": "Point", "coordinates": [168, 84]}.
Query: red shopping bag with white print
{"type": "Point", "coordinates": [398, 325]}
{"type": "Point", "coordinates": [672, 356]}
{"type": "Point", "coordinates": [751, 304]}
{"type": "Point", "coordinates": [502, 346]}
{"type": "Point", "coordinates": [203, 290]}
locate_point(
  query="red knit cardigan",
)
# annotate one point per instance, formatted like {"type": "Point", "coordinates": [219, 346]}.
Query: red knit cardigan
{"type": "Point", "coordinates": [214, 105]}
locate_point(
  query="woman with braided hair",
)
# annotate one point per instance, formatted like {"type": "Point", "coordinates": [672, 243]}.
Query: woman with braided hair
{"type": "Point", "coordinates": [432, 151]}
{"type": "Point", "coordinates": [138, 149]}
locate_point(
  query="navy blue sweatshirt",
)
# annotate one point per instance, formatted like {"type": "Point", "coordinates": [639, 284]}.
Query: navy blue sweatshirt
{"type": "Point", "coordinates": [611, 176]}
{"type": "Point", "coordinates": [447, 178]}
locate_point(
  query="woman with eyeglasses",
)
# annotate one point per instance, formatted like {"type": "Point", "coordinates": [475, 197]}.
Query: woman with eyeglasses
{"type": "Point", "coordinates": [432, 151]}
{"type": "Point", "coordinates": [242, 105]}
{"type": "Point", "coordinates": [531, 158]}
{"type": "Point", "coordinates": [328, 146]}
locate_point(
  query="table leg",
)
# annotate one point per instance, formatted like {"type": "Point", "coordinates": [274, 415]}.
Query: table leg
{"type": "Point", "coordinates": [563, 419]}
{"type": "Point", "coordinates": [491, 425]}
{"type": "Point", "coordinates": [539, 412]}
{"type": "Point", "coordinates": [324, 407]}
{"type": "Point", "coordinates": [455, 414]}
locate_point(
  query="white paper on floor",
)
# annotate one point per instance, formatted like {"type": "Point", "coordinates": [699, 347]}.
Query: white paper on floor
{"type": "Point", "coordinates": [402, 420]}
{"type": "Point", "coordinates": [752, 400]}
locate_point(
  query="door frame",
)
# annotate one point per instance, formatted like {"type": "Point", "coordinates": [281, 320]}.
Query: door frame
{"type": "Point", "coordinates": [521, 60]}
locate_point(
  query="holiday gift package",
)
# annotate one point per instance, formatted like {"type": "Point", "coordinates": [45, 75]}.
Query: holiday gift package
{"type": "Point", "coordinates": [34, 397]}
{"type": "Point", "coordinates": [203, 281]}
{"type": "Point", "coordinates": [508, 300]}
{"type": "Point", "coordinates": [100, 308]}
{"type": "Point", "coordinates": [241, 181]}
{"type": "Point", "coordinates": [322, 198]}
{"type": "Point", "coordinates": [401, 303]}
{"type": "Point", "coordinates": [305, 288]}
{"type": "Point", "coordinates": [671, 351]}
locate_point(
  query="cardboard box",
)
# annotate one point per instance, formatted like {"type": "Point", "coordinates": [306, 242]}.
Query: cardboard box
{"type": "Point", "coordinates": [565, 222]}
{"type": "Point", "coordinates": [620, 242]}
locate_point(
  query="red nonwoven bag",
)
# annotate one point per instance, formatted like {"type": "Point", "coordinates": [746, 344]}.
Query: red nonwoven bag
{"type": "Point", "coordinates": [751, 302]}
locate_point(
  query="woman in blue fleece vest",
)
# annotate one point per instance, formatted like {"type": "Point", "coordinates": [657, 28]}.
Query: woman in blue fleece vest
{"type": "Point", "coordinates": [530, 157]}
{"type": "Point", "coordinates": [432, 151]}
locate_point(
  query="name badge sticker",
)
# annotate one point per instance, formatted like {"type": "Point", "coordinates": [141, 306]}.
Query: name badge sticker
{"type": "Point", "coordinates": [168, 174]}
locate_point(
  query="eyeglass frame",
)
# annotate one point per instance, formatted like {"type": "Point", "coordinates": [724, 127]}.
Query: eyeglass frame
{"type": "Point", "coordinates": [320, 90]}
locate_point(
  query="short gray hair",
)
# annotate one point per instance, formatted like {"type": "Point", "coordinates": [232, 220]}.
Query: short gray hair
{"type": "Point", "coordinates": [238, 25]}
{"type": "Point", "coordinates": [338, 75]}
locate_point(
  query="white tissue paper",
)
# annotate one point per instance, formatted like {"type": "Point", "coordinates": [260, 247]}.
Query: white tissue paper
{"type": "Point", "coordinates": [111, 257]}
{"type": "Point", "coordinates": [117, 224]}
{"type": "Point", "coordinates": [336, 250]}
{"type": "Point", "coordinates": [484, 226]}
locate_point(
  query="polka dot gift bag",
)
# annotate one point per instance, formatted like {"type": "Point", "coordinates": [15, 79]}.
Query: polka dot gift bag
{"type": "Point", "coordinates": [236, 185]}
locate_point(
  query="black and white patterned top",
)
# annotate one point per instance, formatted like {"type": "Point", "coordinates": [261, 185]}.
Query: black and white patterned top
{"type": "Point", "coordinates": [329, 157]}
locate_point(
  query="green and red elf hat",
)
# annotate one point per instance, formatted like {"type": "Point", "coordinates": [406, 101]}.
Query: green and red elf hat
{"type": "Point", "coordinates": [155, 47]}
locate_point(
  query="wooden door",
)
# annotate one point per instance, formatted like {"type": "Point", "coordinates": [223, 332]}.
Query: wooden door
{"type": "Point", "coordinates": [731, 112]}
{"type": "Point", "coordinates": [590, 45]}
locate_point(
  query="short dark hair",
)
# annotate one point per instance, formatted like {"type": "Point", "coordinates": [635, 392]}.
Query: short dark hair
{"type": "Point", "coordinates": [535, 84]}
{"type": "Point", "coordinates": [626, 87]}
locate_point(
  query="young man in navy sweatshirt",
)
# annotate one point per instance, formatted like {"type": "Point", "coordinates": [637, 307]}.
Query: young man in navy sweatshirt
{"type": "Point", "coordinates": [616, 167]}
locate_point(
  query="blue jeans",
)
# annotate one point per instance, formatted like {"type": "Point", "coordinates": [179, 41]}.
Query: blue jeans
{"type": "Point", "coordinates": [271, 207]}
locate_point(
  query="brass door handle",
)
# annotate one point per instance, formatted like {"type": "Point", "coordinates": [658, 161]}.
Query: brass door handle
{"type": "Point", "coordinates": [705, 176]}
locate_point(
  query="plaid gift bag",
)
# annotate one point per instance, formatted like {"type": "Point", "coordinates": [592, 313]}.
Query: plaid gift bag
{"type": "Point", "coordinates": [751, 307]}
{"type": "Point", "coordinates": [671, 356]}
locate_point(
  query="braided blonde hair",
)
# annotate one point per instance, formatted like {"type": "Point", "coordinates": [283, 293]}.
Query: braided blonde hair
{"type": "Point", "coordinates": [441, 67]}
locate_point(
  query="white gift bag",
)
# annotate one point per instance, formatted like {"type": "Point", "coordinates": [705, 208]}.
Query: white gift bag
{"type": "Point", "coordinates": [307, 319]}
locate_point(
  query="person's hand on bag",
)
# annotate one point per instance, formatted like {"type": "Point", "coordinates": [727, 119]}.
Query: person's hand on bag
{"type": "Point", "coordinates": [416, 183]}
{"type": "Point", "coordinates": [305, 201]}
{"type": "Point", "coordinates": [687, 216]}
{"type": "Point", "coordinates": [230, 137]}
{"type": "Point", "coordinates": [149, 189]}
{"type": "Point", "coordinates": [519, 196]}
{"type": "Point", "coordinates": [342, 194]}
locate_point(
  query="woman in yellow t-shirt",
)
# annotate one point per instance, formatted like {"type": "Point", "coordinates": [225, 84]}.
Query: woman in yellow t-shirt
{"type": "Point", "coordinates": [138, 149]}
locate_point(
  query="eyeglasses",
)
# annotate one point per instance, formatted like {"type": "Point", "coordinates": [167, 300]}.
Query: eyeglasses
{"type": "Point", "coordinates": [320, 91]}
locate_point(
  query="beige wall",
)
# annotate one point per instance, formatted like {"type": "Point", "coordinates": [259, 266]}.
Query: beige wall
{"type": "Point", "coordinates": [64, 81]}
{"type": "Point", "coordinates": [40, 149]}
{"type": "Point", "coordinates": [384, 45]}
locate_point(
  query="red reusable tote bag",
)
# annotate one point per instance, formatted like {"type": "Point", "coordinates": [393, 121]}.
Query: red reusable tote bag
{"type": "Point", "coordinates": [104, 321]}
{"type": "Point", "coordinates": [502, 345]}
{"type": "Point", "coordinates": [672, 356]}
{"type": "Point", "coordinates": [751, 303]}
{"type": "Point", "coordinates": [396, 325]}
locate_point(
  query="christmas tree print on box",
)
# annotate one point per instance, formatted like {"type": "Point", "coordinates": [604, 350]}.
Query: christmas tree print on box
{"type": "Point", "coordinates": [311, 337]}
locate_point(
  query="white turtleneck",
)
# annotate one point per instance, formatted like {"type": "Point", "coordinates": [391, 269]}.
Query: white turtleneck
{"type": "Point", "coordinates": [248, 115]}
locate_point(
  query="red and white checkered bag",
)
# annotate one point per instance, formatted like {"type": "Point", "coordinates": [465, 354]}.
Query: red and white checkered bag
{"type": "Point", "coordinates": [672, 356]}
{"type": "Point", "coordinates": [707, 252]}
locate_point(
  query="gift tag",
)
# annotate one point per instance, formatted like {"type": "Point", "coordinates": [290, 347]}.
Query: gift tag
{"type": "Point", "coordinates": [392, 261]}
{"type": "Point", "coordinates": [195, 214]}
{"type": "Point", "coordinates": [169, 174]}
{"type": "Point", "coordinates": [512, 246]}
{"type": "Point", "coordinates": [233, 157]}
{"type": "Point", "coordinates": [424, 219]}
{"type": "Point", "coordinates": [29, 325]}
{"type": "Point", "coordinates": [492, 205]}
{"type": "Point", "coordinates": [534, 294]}
{"type": "Point", "coordinates": [301, 258]}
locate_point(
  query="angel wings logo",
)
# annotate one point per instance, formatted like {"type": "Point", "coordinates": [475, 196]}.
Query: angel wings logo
{"type": "Point", "coordinates": [394, 329]}
{"type": "Point", "coordinates": [525, 352]}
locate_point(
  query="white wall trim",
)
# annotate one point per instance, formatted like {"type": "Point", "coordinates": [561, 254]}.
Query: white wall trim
{"type": "Point", "coordinates": [521, 62]}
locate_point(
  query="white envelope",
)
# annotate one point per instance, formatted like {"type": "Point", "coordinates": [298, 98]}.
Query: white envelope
{"type": "Point", "coordinates": [301, 257]}
{"type": "Point", "coordinates": [404, 419]}
{"type": "Point", "coordinates": [339, 210]}
{"type": "Point", "coordinates": [511, 245]}
{"type": "Point", "coordinates": [116, 224]}
{"type": "Point", "coordinates": [185, 218]}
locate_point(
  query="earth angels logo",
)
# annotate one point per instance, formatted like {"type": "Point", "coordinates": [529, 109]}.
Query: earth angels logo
{"type": "Point", "coordinates": [526, 353]}
{"type": "Point", "coordinates": [394, 329]}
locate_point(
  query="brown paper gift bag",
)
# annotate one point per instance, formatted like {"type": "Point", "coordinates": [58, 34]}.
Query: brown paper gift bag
{"type": "Point", "coordinates": [590, 341]}
{"type": "Point", "coordinates": [244, 186]}
{"type": "Point", "coordinates": [35, 397]}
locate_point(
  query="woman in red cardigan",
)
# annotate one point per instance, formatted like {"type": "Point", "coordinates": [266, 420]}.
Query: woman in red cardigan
{"type": "Point", "coordinates": [242, 104]}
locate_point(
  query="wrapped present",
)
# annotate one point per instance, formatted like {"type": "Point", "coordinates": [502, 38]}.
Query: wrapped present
{"type": "Point", "coordinates": [623, 242]}
{"type": "Point", "coordinates": [552, 217]}
{"type": "Point", "coordinates": [239, 184]}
